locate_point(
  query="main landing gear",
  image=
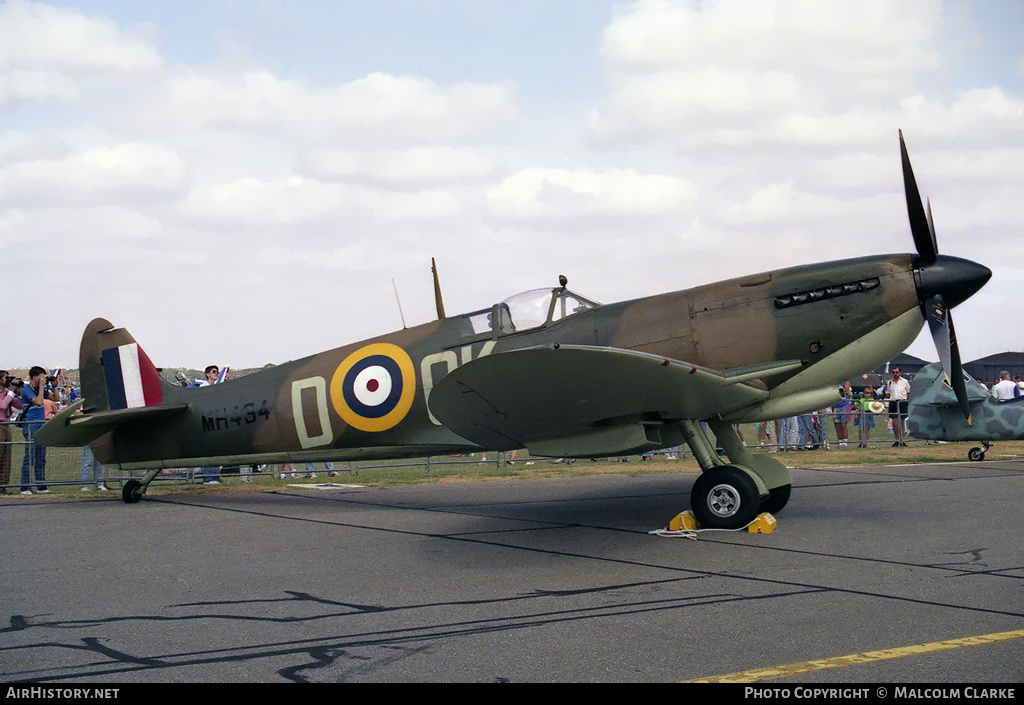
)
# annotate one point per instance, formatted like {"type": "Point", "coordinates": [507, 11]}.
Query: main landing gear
{"type": "Point", "coordinates": [725, 497]}
{"type": "Point", "coordinates": [730, 496]}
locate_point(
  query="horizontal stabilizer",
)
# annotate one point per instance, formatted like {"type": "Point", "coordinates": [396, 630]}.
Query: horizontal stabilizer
{"type": "Point", "coordinates": [522, 397]}
{"type": "Point", "coordinates": [72, 428]}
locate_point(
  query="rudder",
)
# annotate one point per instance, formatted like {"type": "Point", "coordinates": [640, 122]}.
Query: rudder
{"type": "Point", "coordinates": [116, 372]}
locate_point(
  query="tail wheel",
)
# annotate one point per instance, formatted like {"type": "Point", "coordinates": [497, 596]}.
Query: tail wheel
{"type": "Point", "coordinates": [725, 497]}
{"type": "Point", "coordinates": [132, 491]}
{"type": "Point", "coordinates": [975, 454]}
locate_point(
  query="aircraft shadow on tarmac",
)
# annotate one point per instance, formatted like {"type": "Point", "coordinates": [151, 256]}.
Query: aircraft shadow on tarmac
{"type": "Point", "coordinates": [581, 560]}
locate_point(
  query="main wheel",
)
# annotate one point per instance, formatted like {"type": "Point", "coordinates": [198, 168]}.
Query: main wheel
{"type": "Point", "coordinates": [725, 497]}
{"type": "Point", "coordinates": [131, 492]}
{"type": "Point", "coordinates": [975, 454]}
{"type": "Point", "coordinates": [776, 499]}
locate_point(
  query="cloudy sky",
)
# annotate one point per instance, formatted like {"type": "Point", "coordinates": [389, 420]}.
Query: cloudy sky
{"type": "Point", "coordinates": [241, 182]}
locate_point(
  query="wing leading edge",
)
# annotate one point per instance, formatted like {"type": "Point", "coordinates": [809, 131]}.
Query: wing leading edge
{"type": "Point", "coordinates": [583, 400]}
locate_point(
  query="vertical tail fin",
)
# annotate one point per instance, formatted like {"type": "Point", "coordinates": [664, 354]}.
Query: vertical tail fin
{"type": "Point", "coordinates": [116, 372]}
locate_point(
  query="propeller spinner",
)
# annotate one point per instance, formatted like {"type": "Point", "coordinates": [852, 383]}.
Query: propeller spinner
{"type": "Point", "coordinates": [942, 283]}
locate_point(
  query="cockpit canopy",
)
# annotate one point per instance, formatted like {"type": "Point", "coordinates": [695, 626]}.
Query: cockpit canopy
{"type": "Point", "coordinates": [536, 307]}
{"type": "Point", "coordinates": [530, 309]}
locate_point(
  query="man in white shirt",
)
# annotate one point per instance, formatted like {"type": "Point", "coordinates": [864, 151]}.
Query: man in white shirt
{"type": "Point", "coordinates": [1005, 389]}
{"type": "Point", "coordinates": [898, 391]}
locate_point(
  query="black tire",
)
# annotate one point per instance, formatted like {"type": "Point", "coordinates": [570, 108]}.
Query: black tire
{"type": "Point", "coordinates": [131, 492]}
{"type": "Point", "coordinates": [975, 454]}
{"type": "Point", "coordinates": [776, 499]}
{"type": "Point", "coordinates": [725, 497]}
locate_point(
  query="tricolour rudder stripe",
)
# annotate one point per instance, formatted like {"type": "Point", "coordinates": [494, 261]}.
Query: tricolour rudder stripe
{"type": "Point", "coordinates": [116, 373]}
{"type": "Point", "coordinates": [151, 389]}
{"type": "Point", "coordinates": [116, 396]}
{"type": "Point", "coordinates": [131, 375]}
{"type": "Point", "coordinates": [132, 379]}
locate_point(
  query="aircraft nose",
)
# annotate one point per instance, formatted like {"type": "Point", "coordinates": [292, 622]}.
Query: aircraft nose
{"type": "Point", "coordinates": [957, 279]}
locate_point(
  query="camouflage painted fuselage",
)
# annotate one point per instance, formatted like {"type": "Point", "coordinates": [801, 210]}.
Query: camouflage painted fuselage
{"type": "Point", "coordinates": [836, 319]}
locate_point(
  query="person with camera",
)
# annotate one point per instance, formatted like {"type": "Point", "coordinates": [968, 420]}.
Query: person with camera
{"type": "Point", "coordinates": [7, 406]}
{"type": "Point", "coordinates": [32, 396]}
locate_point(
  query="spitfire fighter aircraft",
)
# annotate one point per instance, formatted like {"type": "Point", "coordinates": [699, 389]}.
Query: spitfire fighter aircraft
{"type": "Point", "coordinates": [934, 413]}
{"type": "Point", "coordinates": [551, 371]}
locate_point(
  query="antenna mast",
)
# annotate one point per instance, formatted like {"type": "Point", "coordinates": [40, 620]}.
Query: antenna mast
{"type": "Point", "coordinates": [399, 302]}
{"type": "Point", "coordinates": [437, 290]}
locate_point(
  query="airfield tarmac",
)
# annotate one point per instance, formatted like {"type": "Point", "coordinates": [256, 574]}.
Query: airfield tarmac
{"type": "Point", "coordinates": [547, 580]}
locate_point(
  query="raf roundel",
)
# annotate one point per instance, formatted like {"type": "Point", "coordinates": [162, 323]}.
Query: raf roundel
{"type": "Point", "coordinates": [373, 388]}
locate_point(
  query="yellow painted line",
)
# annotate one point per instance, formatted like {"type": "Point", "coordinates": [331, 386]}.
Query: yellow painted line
{"type": "Point", "coordinates": [763, 674]}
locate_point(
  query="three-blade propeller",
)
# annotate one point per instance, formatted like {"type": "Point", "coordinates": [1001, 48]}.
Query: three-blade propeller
{"type": "Point", "coordinates": [936, 310]}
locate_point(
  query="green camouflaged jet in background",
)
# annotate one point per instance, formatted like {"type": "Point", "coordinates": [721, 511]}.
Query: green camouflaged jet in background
{"type": "Point", "coordinates": [934, 412]}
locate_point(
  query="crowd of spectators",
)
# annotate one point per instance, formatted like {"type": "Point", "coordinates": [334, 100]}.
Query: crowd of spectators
{"type": "Point", "coordinates": [29, 404]}
{"type": "Point", "coordinates": [33, 402]}
{"type": "Point", "coordinates": [889, 400]}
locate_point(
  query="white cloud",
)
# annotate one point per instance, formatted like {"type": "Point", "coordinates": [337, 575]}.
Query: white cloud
{"type": "Point", "coordinates": [792, 71]}
{"type": "Point", "coordinates": [541, 192]}
{"type": "Point", "coordinates": [414, 167]}
{"type": "Point", "coordinates": [801, 36]}
{"type": "Point", "coordinates": [426, 205]}
{"type": "Point", "coordinates": [299, 200]}
{"type": "Point", "coordinates": [46, 53]}
{"type": "Point", "coordinates": [723, 138]}
{"type": "Point", "coordinates": [352, 257]}
{"type": "Point", "coordinates": [769, 203]}
{"type": "Point", "coordinates": [250, 201]}
{"type": "Point", "coordinates": [28, 86]}
{"type": "Point", "coordinates": [34, 35]}
{"type": "Point", "coordinates": [785, 203]}
{"type": "Point", "coordinates": [123, 171]}
{"type": "Point", "coordinates": [378, 110]}
{"type": "Point", "coordinates": [30, 145]}
{"type": "Point", "coordinates": [12, 229]}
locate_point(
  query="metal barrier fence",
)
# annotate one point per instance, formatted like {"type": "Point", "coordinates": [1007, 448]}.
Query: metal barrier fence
{"type": "Point", "coordinates": [63, 469]}
{"type": "Point", "coordinates": [828, 431]}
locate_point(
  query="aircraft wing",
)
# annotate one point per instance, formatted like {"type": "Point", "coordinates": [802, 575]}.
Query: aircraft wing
{"type": "Point", "coordinates": [580, 400]}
